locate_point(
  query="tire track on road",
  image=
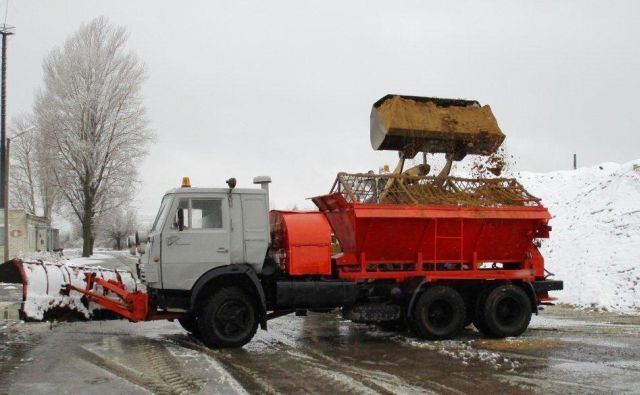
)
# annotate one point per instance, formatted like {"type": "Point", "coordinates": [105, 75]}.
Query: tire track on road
{"type": "Point", "coordinates": [288, 372]}
{"type": "Point", "coordinates": [150, 366]}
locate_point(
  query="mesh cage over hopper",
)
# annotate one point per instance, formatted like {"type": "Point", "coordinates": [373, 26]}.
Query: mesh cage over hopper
{"type": "Point", "coordinates": [399, 189]}
{"type": "Point", "coordinates": [412, 124]}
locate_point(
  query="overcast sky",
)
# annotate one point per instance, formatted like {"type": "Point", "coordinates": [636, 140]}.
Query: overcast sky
{"type": "Point", "coordinates": [284, 88]}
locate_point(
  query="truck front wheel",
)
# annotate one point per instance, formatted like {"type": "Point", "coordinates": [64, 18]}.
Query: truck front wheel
{"type": "Point", "coordinates": [439, 313]}
{"type": "Point", "coordinates": [507, 311]}
{"type": "Point", "coordinates": [228, 319]}
{"type": "Point", "coordinates": [190, 324]}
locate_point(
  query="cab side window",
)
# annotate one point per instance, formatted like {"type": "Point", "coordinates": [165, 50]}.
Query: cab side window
{"type": "Point", "coordinates": [206, 213]}
{"type": "Point", "coordinates": [181, 219]}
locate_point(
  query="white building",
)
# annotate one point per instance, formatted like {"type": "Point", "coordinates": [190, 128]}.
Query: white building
{"type": "Point", "coordinates": [27, 233]}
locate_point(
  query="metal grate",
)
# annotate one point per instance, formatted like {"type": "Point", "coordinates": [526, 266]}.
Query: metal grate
{"type": "Point", "coordinates": [403, 189]}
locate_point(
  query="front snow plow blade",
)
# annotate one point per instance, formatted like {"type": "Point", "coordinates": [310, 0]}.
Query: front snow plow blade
{"type": "Point", "coordinates": [61, 292]}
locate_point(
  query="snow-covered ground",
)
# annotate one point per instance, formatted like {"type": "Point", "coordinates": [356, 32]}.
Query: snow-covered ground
{"type": "Point", "coordinates": [595, 242]}
{"type": "Point", "coordinates": [100, 256]}
{"type": "Point", "coordinates": [73, 256]}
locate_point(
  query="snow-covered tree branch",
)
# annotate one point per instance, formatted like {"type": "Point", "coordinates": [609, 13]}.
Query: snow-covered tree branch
{"type": "Point", "coordinates": [117, 225]}
{"type": "Point", "coordinates": [91, 115]}
{"type": "Point", "coordinates": [32, 187]}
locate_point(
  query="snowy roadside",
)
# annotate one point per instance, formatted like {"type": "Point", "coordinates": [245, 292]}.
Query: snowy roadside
{"type": "Point", "coordinates": [595, 242]}
{"type": "Point", "coordinates": [18, 337]}
{"type": "Point", "coordinates": [73, 256]}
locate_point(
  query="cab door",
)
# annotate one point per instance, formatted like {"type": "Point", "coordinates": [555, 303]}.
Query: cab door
{"type": "Point", "coordinates": [196, 240]}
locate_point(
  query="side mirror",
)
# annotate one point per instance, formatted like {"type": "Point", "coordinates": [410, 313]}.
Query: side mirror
{"type": "Point", "coordinates": [141, 237]}
{"type": "Point", "coordinates": [141, 249]}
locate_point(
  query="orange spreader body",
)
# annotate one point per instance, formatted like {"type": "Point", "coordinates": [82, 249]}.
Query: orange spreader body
{"type": "Point", "coordinates": [436, 242]}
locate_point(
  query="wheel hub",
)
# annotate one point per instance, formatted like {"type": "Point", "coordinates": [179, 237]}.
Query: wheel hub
{"type": "Point", "coordinates": [232, 318]}
{"type": "Point", "coordinates": [440, 314]}
{"type": "Point", "coordinates": [508, 311]}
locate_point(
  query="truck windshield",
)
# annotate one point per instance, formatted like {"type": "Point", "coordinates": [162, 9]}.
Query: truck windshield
{"type": "Point", "coordinates": [164, 207]}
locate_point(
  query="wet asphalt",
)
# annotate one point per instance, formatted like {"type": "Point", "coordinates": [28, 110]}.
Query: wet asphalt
{"type": "Point", "coordinates": [564, 351]}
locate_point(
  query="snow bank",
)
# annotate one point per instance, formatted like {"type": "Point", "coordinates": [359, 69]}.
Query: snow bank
{"type": "Point", "coordinates": [95, 259]}
{"type": "Point", "coordinates": [73, 256]}
{"type": "Point", "coordinates": [595, 241]}
{"type": "Point", "coordinates": [46, 256]}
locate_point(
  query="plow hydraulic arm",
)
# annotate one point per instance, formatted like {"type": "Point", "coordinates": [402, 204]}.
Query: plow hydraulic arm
{"type": "Point", "coordinates": [131, 305]}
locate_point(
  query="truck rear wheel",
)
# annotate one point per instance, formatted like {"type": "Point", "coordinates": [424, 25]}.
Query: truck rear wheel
{"type": "Point", "coordinates": [228, 319]}
{"type": "Point", "coordinates": [506, 311]}
{"type": "Point", "coordinates": [439, 313]}
{"type": "Point", "coordinates": [478, 315]}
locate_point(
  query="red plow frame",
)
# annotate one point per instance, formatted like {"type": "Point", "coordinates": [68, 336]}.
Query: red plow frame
{"type": "Point", "coordinates": [131, 305]}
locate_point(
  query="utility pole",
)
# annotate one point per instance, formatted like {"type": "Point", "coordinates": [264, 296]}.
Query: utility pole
{"type": "Point", "coordinates": [6, 31]}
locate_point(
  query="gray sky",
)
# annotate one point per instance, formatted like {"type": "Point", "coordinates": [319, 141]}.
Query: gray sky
{"type": "Point", "coordinates": [284, 88]}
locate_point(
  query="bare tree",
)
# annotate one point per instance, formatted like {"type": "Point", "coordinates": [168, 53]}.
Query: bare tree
{"type": "Point", "coordinates": [32, 187]}
{"type": "Point", "coordinates": [48, 189]}
{"type": "Point", "coordinates": [23, 176]}
{"type": "Point", "coordinates": [116, 226]}
{"type": "Point", "coordinates": [91, 114]}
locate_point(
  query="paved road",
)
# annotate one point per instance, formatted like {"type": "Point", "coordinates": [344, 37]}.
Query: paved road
{"type": "Point", "coordinates": [564, 351]}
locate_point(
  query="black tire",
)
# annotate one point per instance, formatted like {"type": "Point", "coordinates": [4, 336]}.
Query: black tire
{"type": "Point", "coordinates": [507, 311]}
{"type": "Point", "coordinates": [439, 313]}
{"type": "Point", "coordinates": [190, 324]}
{"type": "Point", "coordinates": [229, 318]}
{"type": "Point", "coordinates": [478, 315]}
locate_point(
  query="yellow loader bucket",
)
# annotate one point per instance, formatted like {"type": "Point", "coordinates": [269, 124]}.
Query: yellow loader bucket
{"type": "Point", "coordinates": [412, 124]}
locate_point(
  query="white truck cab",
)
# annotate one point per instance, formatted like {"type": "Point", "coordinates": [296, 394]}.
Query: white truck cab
{"type": "Point", "coordinates": [206, 261]}
{"type": "Point", "coordinates": [200, 229]}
